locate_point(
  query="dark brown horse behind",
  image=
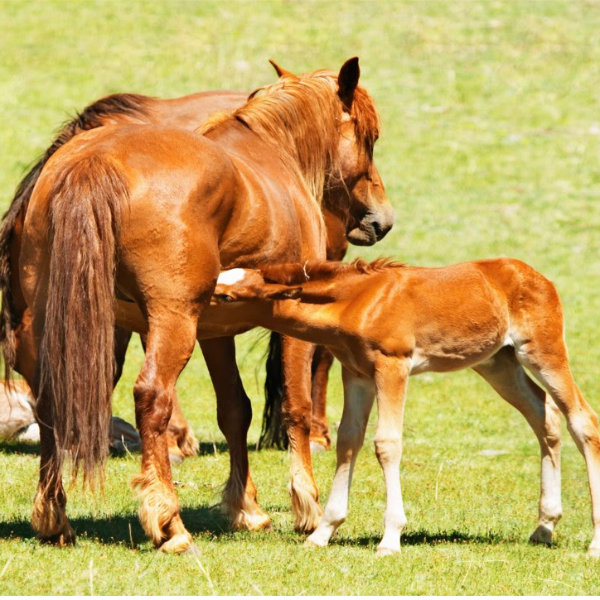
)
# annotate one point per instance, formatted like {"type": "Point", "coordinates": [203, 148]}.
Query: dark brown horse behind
{"type": "Point", "coordinates": [167, 208]}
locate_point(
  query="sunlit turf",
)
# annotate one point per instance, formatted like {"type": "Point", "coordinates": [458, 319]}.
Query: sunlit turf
{"type": "Point", "coordinates": [490, 146]}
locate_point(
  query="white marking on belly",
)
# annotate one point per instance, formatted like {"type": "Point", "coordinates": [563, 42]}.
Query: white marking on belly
{"type": "Point", "coordinates": [232, 276]}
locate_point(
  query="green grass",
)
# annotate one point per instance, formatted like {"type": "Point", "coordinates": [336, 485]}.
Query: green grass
{"type": "Point", "coordinates": [490, 147]}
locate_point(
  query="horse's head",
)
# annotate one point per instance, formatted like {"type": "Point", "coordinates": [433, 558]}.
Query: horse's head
{"type": "Point", "coordinates": [328, 124]}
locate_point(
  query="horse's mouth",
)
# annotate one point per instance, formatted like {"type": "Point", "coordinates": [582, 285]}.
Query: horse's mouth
{"type": "Point", "coordinates": [367, 233]}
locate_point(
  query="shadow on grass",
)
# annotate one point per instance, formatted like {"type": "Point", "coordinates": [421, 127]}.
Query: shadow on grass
{"type": "Point", "coordinates": [17, 447]}
{"type": "Point", "coordinates": [426, 538]}
{"type": "Point", "coordinates": [125, 529]}
{"type": "Point", "coordinates": [33, 448]}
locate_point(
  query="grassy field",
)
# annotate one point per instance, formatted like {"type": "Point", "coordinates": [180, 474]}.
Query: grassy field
{"type": "Point", "coordinates": [490, 147]}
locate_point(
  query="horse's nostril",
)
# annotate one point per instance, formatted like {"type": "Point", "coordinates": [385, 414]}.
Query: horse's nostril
{"type": "Point", "coordinates": [377, 229]}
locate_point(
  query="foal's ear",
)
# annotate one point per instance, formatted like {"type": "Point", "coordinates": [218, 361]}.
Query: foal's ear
{"type": "Point", "coordinates": [280, 71]}
{"type": "Point", "coordinates": [348, 80]}
{"type": "Point", "coordinates": [283, 293]}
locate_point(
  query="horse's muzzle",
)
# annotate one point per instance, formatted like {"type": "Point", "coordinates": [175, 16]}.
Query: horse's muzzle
{"type": "Point", "coordinates": [371, 228]}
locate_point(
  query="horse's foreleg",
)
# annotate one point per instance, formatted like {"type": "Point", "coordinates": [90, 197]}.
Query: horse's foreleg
{"type": "Point", "coordinates": [506, 375]}
{"type": "Point", "coordinates": [296, 411]}
{"type": "Point", "coordinates": [234, 414]}
{"type": "Point", "coordinates": [181, 438]}
{"type": "Point", "coordinates": [391, 378]}
{"type": "Point", "coordinates": [170, 343]}
{"type": "Point", "coordinates": [358, 401]}
{"type": "Point", "coordinates": [320, 438]}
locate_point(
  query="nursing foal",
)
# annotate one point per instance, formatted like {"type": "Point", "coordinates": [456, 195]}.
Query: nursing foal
{"type": "Point", "coordinates": [385, 321]}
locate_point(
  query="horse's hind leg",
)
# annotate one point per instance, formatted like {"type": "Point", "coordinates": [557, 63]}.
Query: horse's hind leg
{"type": "Point", "coordinates": [181, 438]}
{"type": "Point", "coordinates": [320, 439]}
{"type": "Point", "coordinates": [358, 400]}
{"type": "Point", "coordinates": [170, 343]}
{"type": "Point", "coordinates": [506, 375]}
{"type": "Point", "coordinates": [234, 414]}
{"type": "Point", "coordinates": [546, 357]}
{"type": "Point", "coordinates": [49, 517]}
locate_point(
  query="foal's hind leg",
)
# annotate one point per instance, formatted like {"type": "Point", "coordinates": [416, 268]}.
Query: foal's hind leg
{"type": "Point", "coordinates": [234, 414]}
{"type": "Point", "coordinates": [170, 343]}
{"type": "Point", "coordinates": [506, 375]}
{"type": "Point", "coordinates": [546, 357]}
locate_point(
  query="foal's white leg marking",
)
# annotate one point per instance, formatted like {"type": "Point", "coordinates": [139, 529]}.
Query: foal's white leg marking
{"type": "Point", "coordinates": [552, 370]}
{"type": "Point", "coordinates": [507, 376]}
{"type": "Point", "coordinates": [358, 401]}
{"type": "Point", "coordinates": [391, 378]}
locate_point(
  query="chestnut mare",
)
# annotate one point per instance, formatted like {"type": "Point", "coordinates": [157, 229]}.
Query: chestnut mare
{"type": "Point", "coordinates": [187, 112]}
{"type": "Point", "coordinates": [152, 212]}
{"type": "Point", "coordinates": [385, 321]}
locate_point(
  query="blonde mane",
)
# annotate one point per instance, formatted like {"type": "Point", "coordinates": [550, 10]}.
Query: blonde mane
{"type": "Point", "coordinates": [302, 115]}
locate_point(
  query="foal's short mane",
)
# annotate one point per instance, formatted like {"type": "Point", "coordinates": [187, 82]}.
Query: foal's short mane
{"type": "Point", "coordinates": [296, 273]}
{"type": "Point", "coordinates": [302, 116]}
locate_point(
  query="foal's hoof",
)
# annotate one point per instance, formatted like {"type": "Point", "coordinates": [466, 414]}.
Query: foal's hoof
{"type": "Point", "coordinates": [317, 448]}
{"type": "Point", "coordinates": [594, 551]}
{"type": "Point", "coordinates": [178, 544]}
{"type": "Point", "coordinates": [308, 543]}
{"type": "Point", "coordinates": [542, 535]}
{"type": "Point", "coordinates": [387, 552]}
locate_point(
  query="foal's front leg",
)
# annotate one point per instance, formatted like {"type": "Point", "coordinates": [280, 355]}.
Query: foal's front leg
{"type": "Point", "coordinates": [359, 394]}
{"type": "Point", "coordinates": [391, 379]}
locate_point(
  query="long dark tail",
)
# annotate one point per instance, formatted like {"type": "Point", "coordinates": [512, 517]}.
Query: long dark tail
{"type": "Point", "coordinates": [95, 115]}
{"type": "Point", "coordinates": [76, 362]}
{"type": "Point", "coordinates": [273, 433]}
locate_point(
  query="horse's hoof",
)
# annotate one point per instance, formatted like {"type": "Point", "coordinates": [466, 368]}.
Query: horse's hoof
{"type": "Point", "coordinates": [308, 543]}
{"type": "Point", "coordinates": [254, 522]}
{"type": "Point", "coordinates": [387, 551]}
{"type": "Point", "coordinates": [317, 448]}
{"type": "Point", "coordinates": [178, 544]}
{"type": "Point", "coordinates": [61, 540]}
{"type": "Point", "coordinates": [542, 535]}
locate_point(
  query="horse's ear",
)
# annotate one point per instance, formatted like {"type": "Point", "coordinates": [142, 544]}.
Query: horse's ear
{"type": "Point", "coordinates": [280, 71]}
{"type": "Point", "coordinates": [348, 80]}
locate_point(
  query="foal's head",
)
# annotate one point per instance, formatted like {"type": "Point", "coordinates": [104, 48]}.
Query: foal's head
{"type": "Point", "coordinates": [239, 285]}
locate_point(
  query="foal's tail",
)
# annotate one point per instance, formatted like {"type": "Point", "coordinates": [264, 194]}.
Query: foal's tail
{"type": "Point", "coordinates": [77, 348]}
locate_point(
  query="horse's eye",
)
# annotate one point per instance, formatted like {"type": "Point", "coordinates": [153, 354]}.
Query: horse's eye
{"type": "Point", "coordinates": [224, 297]}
